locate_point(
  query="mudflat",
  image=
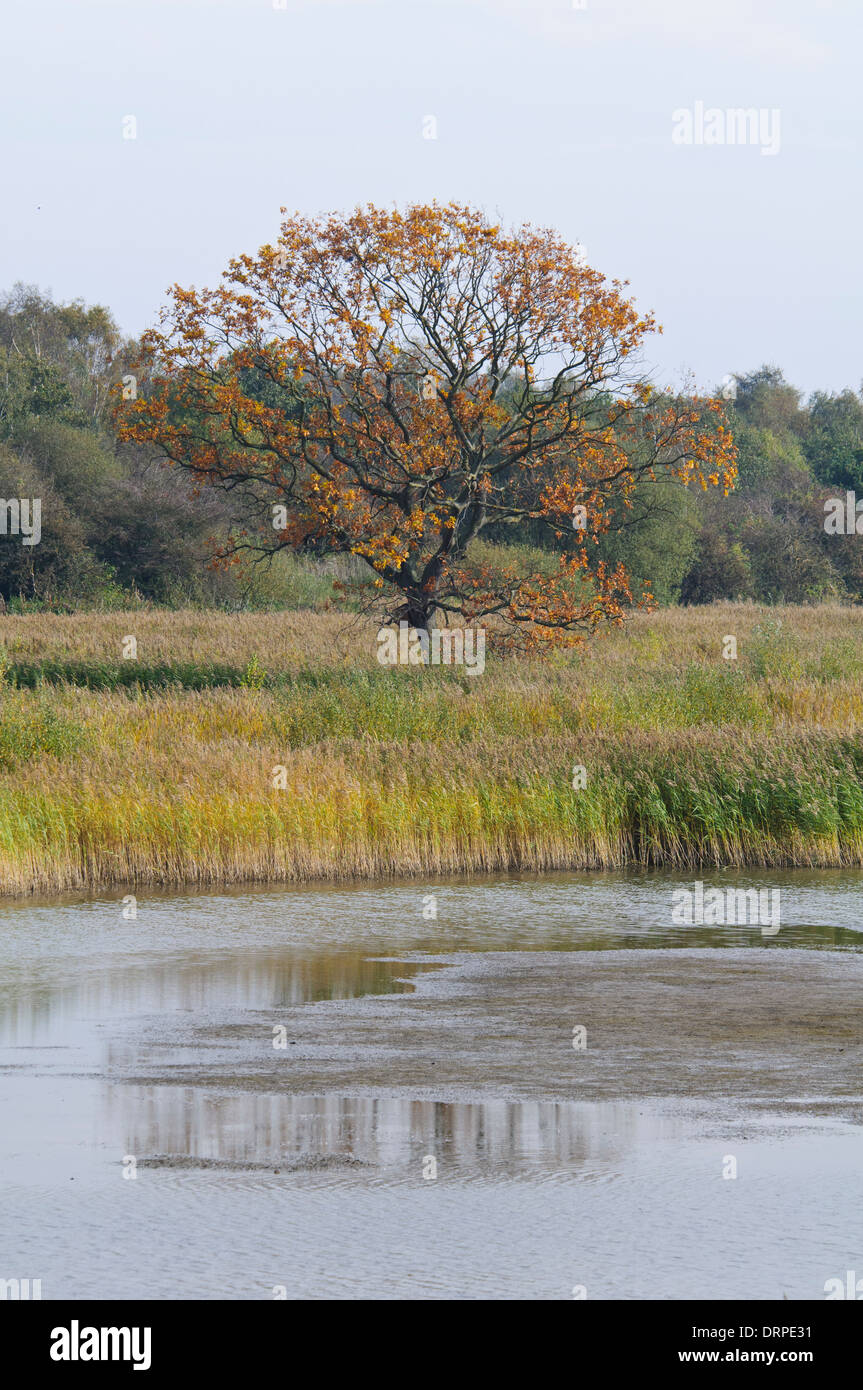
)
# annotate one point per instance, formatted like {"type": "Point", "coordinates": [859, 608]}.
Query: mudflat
{"type": "Point", "coordinates": [750, 1024]}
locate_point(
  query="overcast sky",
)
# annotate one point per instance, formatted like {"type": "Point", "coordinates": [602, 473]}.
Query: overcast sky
{"type": "Point", "coordinates": [543, 111]}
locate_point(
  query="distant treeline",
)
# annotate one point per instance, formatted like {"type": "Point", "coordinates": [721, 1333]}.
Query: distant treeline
{"type": "Point", "coordinates": [117, 528]}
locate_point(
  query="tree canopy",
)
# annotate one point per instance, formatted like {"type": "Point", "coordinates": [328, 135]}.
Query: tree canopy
{"type": "Point", "coordinates": [390, 384]}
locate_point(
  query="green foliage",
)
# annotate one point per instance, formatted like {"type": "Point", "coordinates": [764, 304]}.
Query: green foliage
{"type": "Point", "coordinates": [834, 441]}
{"type": "Point", "coordinates": [767, 540]}
{"type": "Point", "coordinates": [118, 530]}
{"type": "Point", "coordinates": [31, 389]}
{"type": "Point", "coordinates": [721, 570]}
{"type": "Point", "coordinates": [26, 732]}
{"type": "Point", "coordinates": [655, 540]}
{"type": "Point", "coordinates": [254, 676]}
{"type": "Point", "coordinates": [125, 675]}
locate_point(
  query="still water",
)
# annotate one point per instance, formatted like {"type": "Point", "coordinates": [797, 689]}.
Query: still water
{"type": "Point", "coordinates": [546, 1087]}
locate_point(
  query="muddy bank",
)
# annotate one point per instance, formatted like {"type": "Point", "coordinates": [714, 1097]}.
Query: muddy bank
{"type": "Point", "coordinates": [751, 1024]}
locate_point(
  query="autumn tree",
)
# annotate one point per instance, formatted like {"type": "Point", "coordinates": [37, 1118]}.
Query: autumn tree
{"type": "Point", "coordinates": [388, 384]}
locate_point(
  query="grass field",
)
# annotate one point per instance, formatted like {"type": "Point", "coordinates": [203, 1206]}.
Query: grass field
{"type": "Point", "coordinates": [161, 769]}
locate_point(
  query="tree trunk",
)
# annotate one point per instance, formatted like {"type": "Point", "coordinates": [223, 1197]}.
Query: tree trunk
{"type": "Point", "coordinates": [417, 613]}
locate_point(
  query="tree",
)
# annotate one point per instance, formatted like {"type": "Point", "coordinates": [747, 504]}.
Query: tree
{"type": "Point", "coordinates": [834, 443]}
{"type": "Point", "coordinates": [426, 375]}
{"type": "Point", "coordinates": [31, 388]}
{"type": "Point", "coordinates": [655, 539]}
{"type": "Point", "coordinates": [721, 571]}
{"type": "Point", "coordinates": [74, 343]}
{"type": "Point", "coordinates": [765, 399]}
{"type": "Point", "coordinates": [59, 566]}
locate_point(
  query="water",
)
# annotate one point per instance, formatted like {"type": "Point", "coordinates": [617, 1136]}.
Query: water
{"type": "Point", "coordinates": [321, 1092]}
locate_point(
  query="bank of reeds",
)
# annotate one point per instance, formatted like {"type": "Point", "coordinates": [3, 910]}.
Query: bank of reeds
{"type": "Point", "coordinates": [689, 759]}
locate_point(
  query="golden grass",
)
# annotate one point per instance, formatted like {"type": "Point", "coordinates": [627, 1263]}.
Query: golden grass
{"type": "Point", "coordinates": [286, 641]}
{"type": "Point", "coordinates": [690, 759]}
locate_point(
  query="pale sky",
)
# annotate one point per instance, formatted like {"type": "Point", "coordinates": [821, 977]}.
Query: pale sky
{"type": "Point", "coordinates": [545, 112]}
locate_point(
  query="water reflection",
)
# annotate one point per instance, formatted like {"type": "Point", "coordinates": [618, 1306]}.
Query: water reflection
{"type": "Point", "coordinates": [60, 1012]}
{"type": "Point", "coordinates": [67, 963]}
{"type": "Point", "coordinates": [183, 1127]}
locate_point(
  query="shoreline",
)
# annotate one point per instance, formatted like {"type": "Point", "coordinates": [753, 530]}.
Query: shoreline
{"type": "Point", "coordinates": [74, 886]}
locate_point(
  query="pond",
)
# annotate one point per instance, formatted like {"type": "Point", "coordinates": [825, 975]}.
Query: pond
{"type": "Point", "coordinates": [514, 1087]}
